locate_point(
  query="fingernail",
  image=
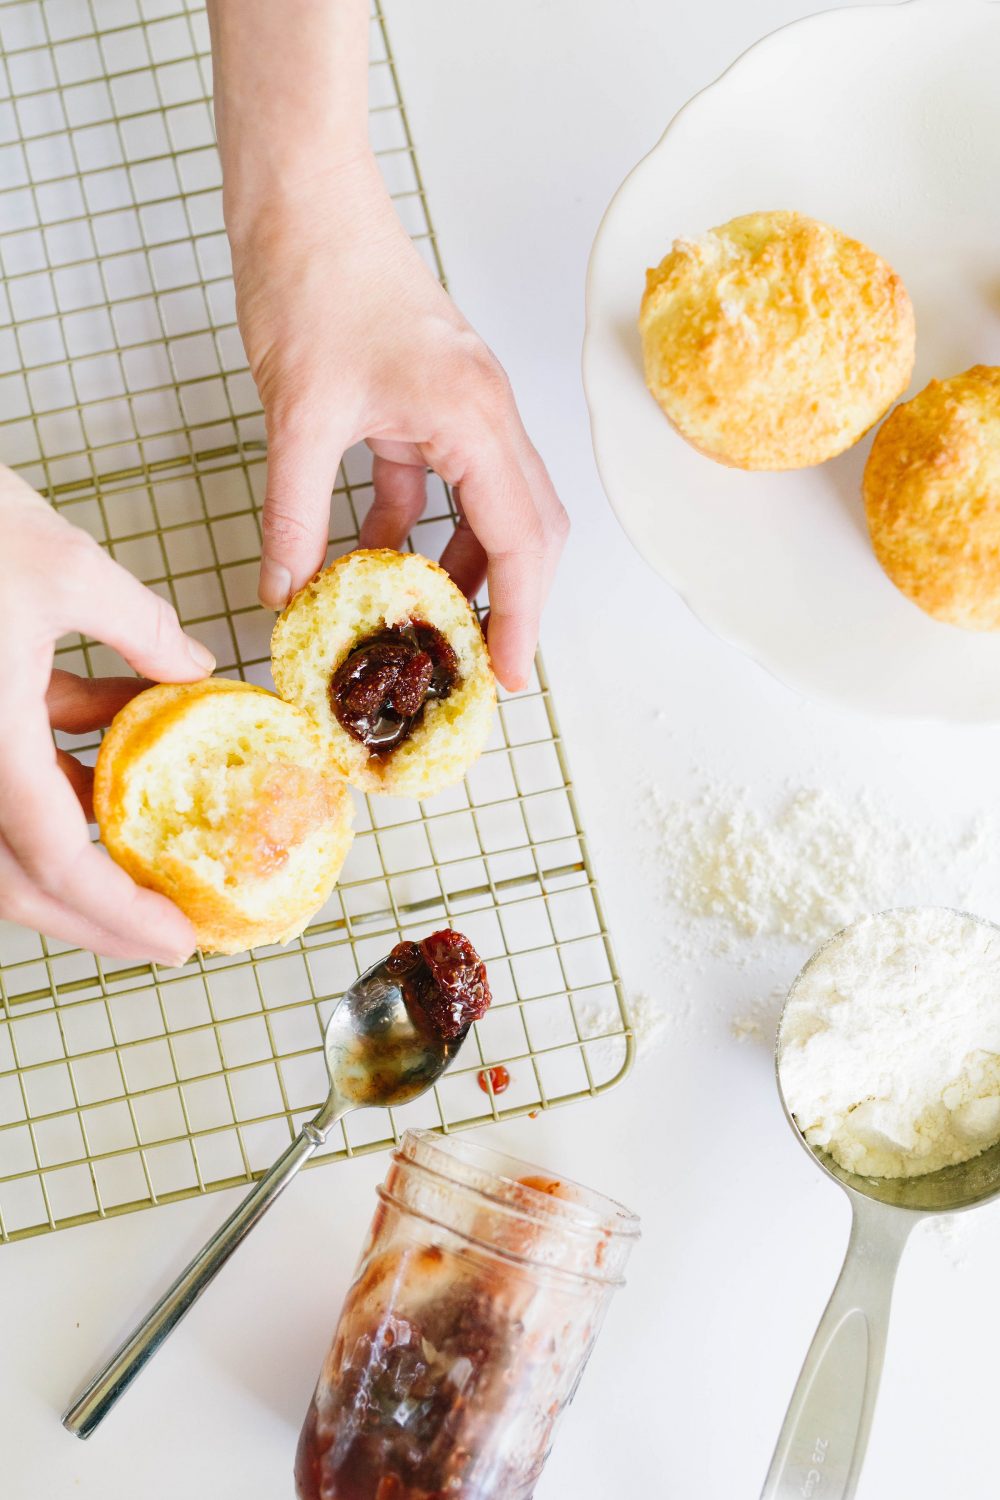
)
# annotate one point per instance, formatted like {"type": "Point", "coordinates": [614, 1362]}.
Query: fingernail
{"type": "Point", "coordinates": [200, 655]}
{"type": "Point", "coordinates": [178, 963]}
{"type": "Point", "coordinates": [275, 584]}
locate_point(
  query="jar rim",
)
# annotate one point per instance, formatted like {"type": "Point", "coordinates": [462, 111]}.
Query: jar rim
{"type": "Point", "coordinates": [588, 1211]}
{"type": "Point", "coordinates": [503, 1185]}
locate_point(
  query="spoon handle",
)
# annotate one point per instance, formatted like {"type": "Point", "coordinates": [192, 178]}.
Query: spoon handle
{"type": "Point", "coordinates": [822, 1444]}
{"type": "Point", "coordinates": [93, 1404]}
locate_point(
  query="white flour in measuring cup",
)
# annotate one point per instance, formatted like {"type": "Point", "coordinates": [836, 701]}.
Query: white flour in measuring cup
{"type": "Point", "coordinates": [889, 1048]}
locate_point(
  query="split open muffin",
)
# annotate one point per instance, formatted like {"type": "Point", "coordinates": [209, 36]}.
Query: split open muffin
{"type": "Point", "coordinates": [385, 654]}
{"type": "Point", "coordinates": [222, 796]}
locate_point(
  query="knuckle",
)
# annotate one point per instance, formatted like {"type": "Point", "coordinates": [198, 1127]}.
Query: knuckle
{"type": "Point", "coordinates": [494, 388]}
{"type": "Point", "coordinates": [479, 380]}
{"type": "Point", "coordinates": [283, 527]}
{"type": "Point", "coordinates": [532, 538]}
{"type": "Point", "coordinates": [289, 420]}
{"type": "Point", "coordinates": [560, 525]}
{"type": "Point", "coordinates": [78, 551]}
{"type": "Point", "coordinates": [165, 623]}
{"type": "Point", "coordinates": [466, 342]}
{"type": "Point", "coordinates": [446, 454]}
{"type": "Point", "coordinates": [75, 542]}
{"type": "Point", "coordinates": [14, 903]}
{"type": "Point", "coordinates": [45, 869]}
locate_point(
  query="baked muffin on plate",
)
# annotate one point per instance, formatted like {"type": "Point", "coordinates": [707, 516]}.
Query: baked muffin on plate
{"type": "Point", "coordinates": [222, 797]}
{"type": "Point", "coordinates": [932, 498]}
{"type": "Point", "coordinates": [384, 652]}
{"type": "Point", "coordinates": [775, 341]}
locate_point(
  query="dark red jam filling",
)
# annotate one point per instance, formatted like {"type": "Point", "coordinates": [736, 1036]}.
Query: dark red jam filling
{"type": "Point", "coordinates": [443, 981]}
{"type": "Point", "coordinates": [378, 693]}
{"type": "Point", "coordinates": [403, 1406]}
{"type": "Point", "coordinates": [497, 1079]}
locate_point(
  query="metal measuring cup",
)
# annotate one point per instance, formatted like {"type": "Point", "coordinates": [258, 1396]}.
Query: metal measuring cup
{"type": "Point", "coordinates": [822, 1443]}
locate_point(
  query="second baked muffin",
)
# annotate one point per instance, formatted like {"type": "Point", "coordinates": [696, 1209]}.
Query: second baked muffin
{"type": "Point", "coordinates": [932, 497]}
{"type": "Point", "coordinates": [775, 341]}
{"type": "Point", "coordinates": [384, 652]}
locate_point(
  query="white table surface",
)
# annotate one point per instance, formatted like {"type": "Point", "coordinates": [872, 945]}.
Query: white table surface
{"type": "Point", "coordinates": [525, 122]}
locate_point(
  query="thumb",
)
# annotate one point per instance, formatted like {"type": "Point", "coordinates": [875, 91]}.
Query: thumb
{"type": "Point", "coordinates": [301, 473]}
{"type": "Point", "coordinates": [105, 600]}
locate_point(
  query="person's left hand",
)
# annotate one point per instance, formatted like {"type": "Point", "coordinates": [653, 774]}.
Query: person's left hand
{"type": "Point", "coordinates": [56, 580]}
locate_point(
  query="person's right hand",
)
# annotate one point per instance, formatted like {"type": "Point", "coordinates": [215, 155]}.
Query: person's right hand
{"type": "Point", "coordinates": [350, 337]}
{"type": "Point", "coordinates": [54, 579]}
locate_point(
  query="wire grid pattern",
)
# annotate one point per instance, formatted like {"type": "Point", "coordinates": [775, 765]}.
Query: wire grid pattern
{"type": "Point", "coordinates": [125, 397]}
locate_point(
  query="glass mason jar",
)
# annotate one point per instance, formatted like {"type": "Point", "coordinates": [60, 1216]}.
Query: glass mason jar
{"type": "Point", "coordinates": [478, 1298]}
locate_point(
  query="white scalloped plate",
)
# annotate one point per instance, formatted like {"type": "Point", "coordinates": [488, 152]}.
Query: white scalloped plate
{"type": "Point", "coordinates": [886, 122]}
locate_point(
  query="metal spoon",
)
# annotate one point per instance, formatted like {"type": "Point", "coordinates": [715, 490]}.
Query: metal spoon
{"type": "Point", "coordinates": [822, 1443]}
{"type": "Point", "coordinates": [375, 1058]}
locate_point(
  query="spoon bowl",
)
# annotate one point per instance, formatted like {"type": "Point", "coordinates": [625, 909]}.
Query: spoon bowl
{"type": "Point", "coordinates": [376, 1057]}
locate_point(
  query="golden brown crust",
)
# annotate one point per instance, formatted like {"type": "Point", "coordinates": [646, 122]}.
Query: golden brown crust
{"type": "Point", "coordinates": [250, 908]}
{"type": "Point", "coordinates": [775, 341]}
{"type": "Point", "coordinates": [932, 498]}
{"type": "Point", "coordinates": [354, 597]}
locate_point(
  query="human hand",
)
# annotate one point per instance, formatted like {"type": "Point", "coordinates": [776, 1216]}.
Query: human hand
{"type": "Point", "coordinates": [55, 578]}
{"type": "Point", "coordinates": [349, 337]}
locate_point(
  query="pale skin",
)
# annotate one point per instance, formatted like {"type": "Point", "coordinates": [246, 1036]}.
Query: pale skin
{"type": "Point", "coordinates": [349, 338]}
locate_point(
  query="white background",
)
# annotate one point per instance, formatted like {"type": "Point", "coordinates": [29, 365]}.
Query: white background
{"type": "Point", "coordinates": [526, 116]}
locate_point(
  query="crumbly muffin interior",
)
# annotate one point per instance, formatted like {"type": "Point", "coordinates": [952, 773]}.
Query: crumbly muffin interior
{"type": "Point", "coordinates": [242, 808]}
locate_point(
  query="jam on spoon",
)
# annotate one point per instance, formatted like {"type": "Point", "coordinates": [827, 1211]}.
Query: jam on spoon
{"type": "Point", "coordinates": [378, 693]}
{"type": "Point", "coordinates": [443, 981]}
{"type": "Point", "coordinates": [376, 1055]}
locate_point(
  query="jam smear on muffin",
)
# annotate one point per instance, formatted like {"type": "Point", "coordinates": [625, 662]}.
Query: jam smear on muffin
{"type": "Point", "coordinates": [283, 807]}
{"type": "Point", "coordinates": [443, 981]}
{"type": "Point", "coordinates": [378, 693]}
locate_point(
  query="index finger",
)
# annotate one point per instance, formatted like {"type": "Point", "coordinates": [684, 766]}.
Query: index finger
{"type": "Point", "coordinates": [81, 704]}
{"type": "Point", "coordinates": [521, 525]}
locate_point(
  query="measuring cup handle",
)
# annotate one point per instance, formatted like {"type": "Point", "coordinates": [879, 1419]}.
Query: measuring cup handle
{"type": "Point", "coordinates": [92, 1405]}
{"type": "Point", "coordinates": [822, 1443]}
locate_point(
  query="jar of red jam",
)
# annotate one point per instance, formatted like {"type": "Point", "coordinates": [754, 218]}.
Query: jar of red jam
{"type": "Point", "coordinates": [478, 1298]}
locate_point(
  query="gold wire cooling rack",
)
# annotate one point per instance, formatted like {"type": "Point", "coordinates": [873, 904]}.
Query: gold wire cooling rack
{"type": "Point", "coordinates": [125, 398]}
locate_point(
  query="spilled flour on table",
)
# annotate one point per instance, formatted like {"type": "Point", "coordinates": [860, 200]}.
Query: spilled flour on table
{"type": "Point", "coordinates": [650, 1022]}
{"type": "Point", "coordinates": [802, 870]}
{"type": "Point", "coordinates": [752, 884]}
{"type": "Point", "coordinates": [758, 1022]}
